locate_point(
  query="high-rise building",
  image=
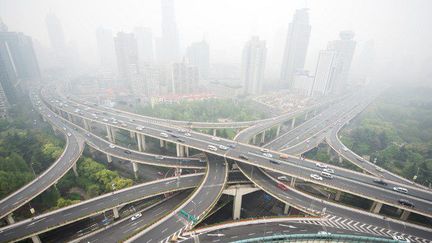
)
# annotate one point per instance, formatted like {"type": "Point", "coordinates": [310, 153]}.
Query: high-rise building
{"type": "Point", "coordinates": [127, 56]}
{"type": "Point", "coordinates": [296, 46]}
{"type": "Point", "coordinates": [363, 63]}
{"type": "Point", "coordinates": [18, 63]}
{"type": "Point", "coordinates": [3, 27]}
{"type": "Point", "coordinates": [198, 55]}
{"type": "Point", "coordinates": [184, 78]}
{"type": "Point", "coordinates": [323, 73]}
{"type": "Point", "coordinates": [144, 39]}
{"type": "Point", "coordinates": [344, 51]}
{"type": "Point", "coordinates": [105, 44]}
{"type": "Point", "coordinates": [169, 46]}
{"type": "Point", "coordinates": [55, 32]}
{"type": "Point", "coordinates": [253, 65]}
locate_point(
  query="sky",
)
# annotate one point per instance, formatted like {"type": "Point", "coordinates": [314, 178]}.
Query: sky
{"type": "Point", "coordinates": [400, 29]}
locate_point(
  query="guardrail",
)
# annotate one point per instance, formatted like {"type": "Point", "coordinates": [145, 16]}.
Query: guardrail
{"type": "Point", "coordinates": [319, 238]}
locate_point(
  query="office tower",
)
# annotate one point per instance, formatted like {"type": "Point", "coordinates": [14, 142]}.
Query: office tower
{"type": "Point", "coordinates": [344, 51]}
{"type": "Point", "coordinates": [105, 44]}
{"type": "Point", "coordinates": [184, 78]}
{"type": "Point", "coordinates": [303, 82]}
{"type": "Point", "coordinates": [18, 64]}
{"type": "Point", "coordinates": [144, 39]}
{"type": "Point", "coordinates": [55, 32]}
{"type": "Point", "coordinates": [296, 46]}
{"type": "Point", "coordinates": [198, 55]}
{"type": "Point", "coordinates": [127, 56]}
{"type": "Point", "coordinates": [169, 47]}
{"type": "Point", "coordinates": [363, 63]}
{"type": "Point", "coordinates": [3, 27]}
{"type": "Point", "coordinates": [253, 64]}
{"type": "Point", "coordinates": [323, 72]}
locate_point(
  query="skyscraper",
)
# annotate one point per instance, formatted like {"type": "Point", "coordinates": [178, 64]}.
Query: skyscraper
{"type": "Point", "coordinates": [324, 72]}
{"type": "Point", "coordinates": [144, 39]}
{"type": "Point", "coordinates": [55, 32]}
{"type": "Point", "coordinates": [296, 46]}
{"type": "Point", "coordinates": [184, 78]}
{"type": "Point", "coordinates": [344, 51]}
{"type": "Point", "coordinates": [198, 55]}
{"type": "Point", "coordinates": [253, 65]}
{"type": "Point", "coordinates": [169, 47]}
{"type": "Point", "coordinates": [127, 56]}
{"type": "Point", "coordinates": [105, 44]}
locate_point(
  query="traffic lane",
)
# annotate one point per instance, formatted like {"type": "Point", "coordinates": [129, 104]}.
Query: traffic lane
{"type": "Point", "coordinates": [314, 205]}
{"type": "Point", "coordinates": [198, 140]}
{"type": "Point", "coordinates": [71, 153]}
{"type": "Point", "coordinates": [198, 206]}
{"type": "Point", "coordinates": [96, 205]}
{"type": "Point", "coordinates": [122, 230]}
{"type": "Point", "coordinates": [385, 194]}
{"type": "Point", "coordinates": [256, 230]}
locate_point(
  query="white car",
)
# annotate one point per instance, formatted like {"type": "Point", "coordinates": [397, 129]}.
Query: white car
{"type": "Point", "coordinates": [316, 177]}
{"type": "Point", "coordinates": [112, 146]}
{"type": "Point", "coordinates": [124, 125]}
{"type": "Point", "coordinates": [216, 138]}
{"type": "Point", "coordinates": [164, 134]}
{"type": "Point", "coordinates": [136, 216]}
{"type": "Point", "coordinates": [105, 120]}
{"type": "Point", "coordinates": [187, 134]}
{"type": "Point", "coordinates": [321, 165]}
{"type": "Point", "coordinates": [264, 150]}
{"type": "Point", "coordinates": [268, 155]}
{"type": "Point", "coordinates": [69, 134]}
{"type": "Point", "coordinates": [212, 148]}
{"type": "Point", "coordinates": [222, 147]}
{"type": "Point", "coordinates": [328, 170]}
{"type": "Point", "coordinates": [400, 189]}
{"type": "Point", "coordinates": [282, 178]}
{"type": "Point", "coordinates": [159, 157]}
{"type": "Point", "coordinates": [139, 128]}
{"type": "Point", "coordinates": [379, 169]}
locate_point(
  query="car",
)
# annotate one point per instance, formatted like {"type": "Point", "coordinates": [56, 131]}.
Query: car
{"type": "Point", "coordinates": [105, 120]}
{"type": "Point", "coordinates": [112, 146]}
{"type": "Point", "coordinates": [242, 156]}
{"type": "Point", "coordinates": [274, 161]}
{"type": "Point", "coordinates": [124, 125]}
{"type": "Point", "coordinates": [379, 169]}
{"type": "Point", "coordinates": [400, 238]}
{"type": "Point", "coordinates": [174, 136]}
{"type": "Point", "coordinates": [360, 159]}
{"type": "Point", "coordinates": [64, 128]}
{"type": "Point", "coordinates": [222, 147]}
{"type": "Point", "coordinates": [268, 155]}
{"type": "Point", "coordinates": [328, 170]}
{"type": "Point", "coordinates": [400, 189]}
{"type": "Point", "coordinates": [88, 134]}
{"type": "Point", "coordinates": [264, 150]}
{"type": "Point", "coordinates": [282, 186]}
{"type": "Point", "coordinates": [232, 145]}
{"type": "Point", "coordinates": [326, 175]}
{"type": "Point", "coordinates": [168, 130]}
{"type": "Point", "coordinates": [345, 149]}
{"type": "Point", "coordinates": [114, 122]}
{"type": "Point", "coordinates": [160, 173]}
{"type": "Point", "coordinates": [69, 134]}
{"type": "Point", "coordinates": [127, 152]}
{"type": "Point", "coordinates": [283, 156]}
{"type": "Point", "coordinates": [139, 128]}
{"type": "Point", "coordinates": [316, 177]}
{"type": "Point", "coordinates": [131, 120]}
{"type": "Point", "coordinates": [216, 138]}
{"type": "Point", "coordinates": [164, 134]}
{"type": "Point", "coordinates": [406, 203]}
{"type": "Point", "coordinates": [321, 165]}
{"type": "Point", "coordinates": [159, 157]}
{"type": "Point", "coordinates": [282, 178]}
{"type": "Point", "coordinates": [181, 140]}
{"type": "Point", "coordinates": [323, 233]}
{"type": "Point", "coordinates": [49, 115]}
{"type": "Point", "coordinates": [202, 160]}
{"type": "Point", "coordinates": [212, 148]}
{"type": "Point", "coordinates": [136, 216]}
{"type": "Point", "coordinates": [380, 181]}
{"type": "Point", "coordinates": [187, 134]}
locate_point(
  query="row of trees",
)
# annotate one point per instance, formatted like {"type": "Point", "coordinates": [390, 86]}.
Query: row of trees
{"type": "Point", "coordinates": [396, 131]}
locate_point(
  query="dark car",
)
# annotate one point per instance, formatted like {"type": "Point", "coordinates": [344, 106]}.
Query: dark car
{"type": "Point", "coordinates": [406, 203]}
{"type": "Point", "coordinates": [174, 136]}
{"type": "Point", "coordinates": [127, 152]}
{"type": "Point", "coordinates": [380, 181]}
{"type": "Point", "coordinates": [232, 145]}
{"type": "Point", "coordinates": [168, 130]}
{"type": "Point", "coordinates": [181, 140]}
{"type": "Point", "coordinates": [242, 156]}
{"type": "Point", "coordinates": [274, 162]}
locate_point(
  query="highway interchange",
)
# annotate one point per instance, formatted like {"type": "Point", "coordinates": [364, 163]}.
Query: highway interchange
{"type": "Point", "coordinates": [210, 185]}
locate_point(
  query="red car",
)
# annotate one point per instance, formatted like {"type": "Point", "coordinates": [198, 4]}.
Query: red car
{"type": "Point", "coordinates": [282, 186]}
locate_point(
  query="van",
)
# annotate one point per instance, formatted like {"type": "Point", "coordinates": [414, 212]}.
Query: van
{"type": "Point", "coordinates": [326, 175]}
{"type": "Point", "coordinates": [283, 156]}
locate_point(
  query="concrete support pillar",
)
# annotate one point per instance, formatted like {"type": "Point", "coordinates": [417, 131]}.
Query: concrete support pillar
{"type": "Point", "coordinates": [86, 125]}
{"type": "Point", "coordinates": [161, 143]}
{"type": "Point", "coordinates": [293, 123]}
{"type": "Point", "coordinates": [135, 169]}
{"type": "Point", "coordinates": [109, 134]}
{"type": "Point", "coordinates": [292, 183]}
{"type": "Point", "coordinates": [237, 205]}
{"type": "Point", "coordinates": [75, 170]}
{"type": "Point", "coordinates": [306, 115]}
{"type": "Point", "coordinates": [340, 159]}
{"type": "Point", "coordinates": [116, 213]}
{"type": "Point", "coordinates": [254, 139]}
{"type": "Point", "coordinates": [286, 208]}
{"type": "Point", "coordinates": [214, 132]}
{"type": "Point", "coordinates": [132, 134]}
{"type": "Point", "coordinates": [113, 134]}
{"type": "Point", "coordinates": [109, 158]}
{"type": "Point", "coordinates": [10, 219]}
{"type": "Point", "coordinates": [141, 142]}
{"type": "Point", "coordinates": [180, 150]}
{"type": "Point", "coordinates": [36, 239]}
{"type": "Point", "coordinates": [186, 151]}
{"type": "Point", "coordinates": [376, 207]}
{"type": "Point", "coordinates": [338, 195]}
{"type": "Point", "coordinates": [278, 130]}
{"type": "Point", "coordinates": [263, 136]}
{"type": "Point", "coordinates": [405, 214]}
